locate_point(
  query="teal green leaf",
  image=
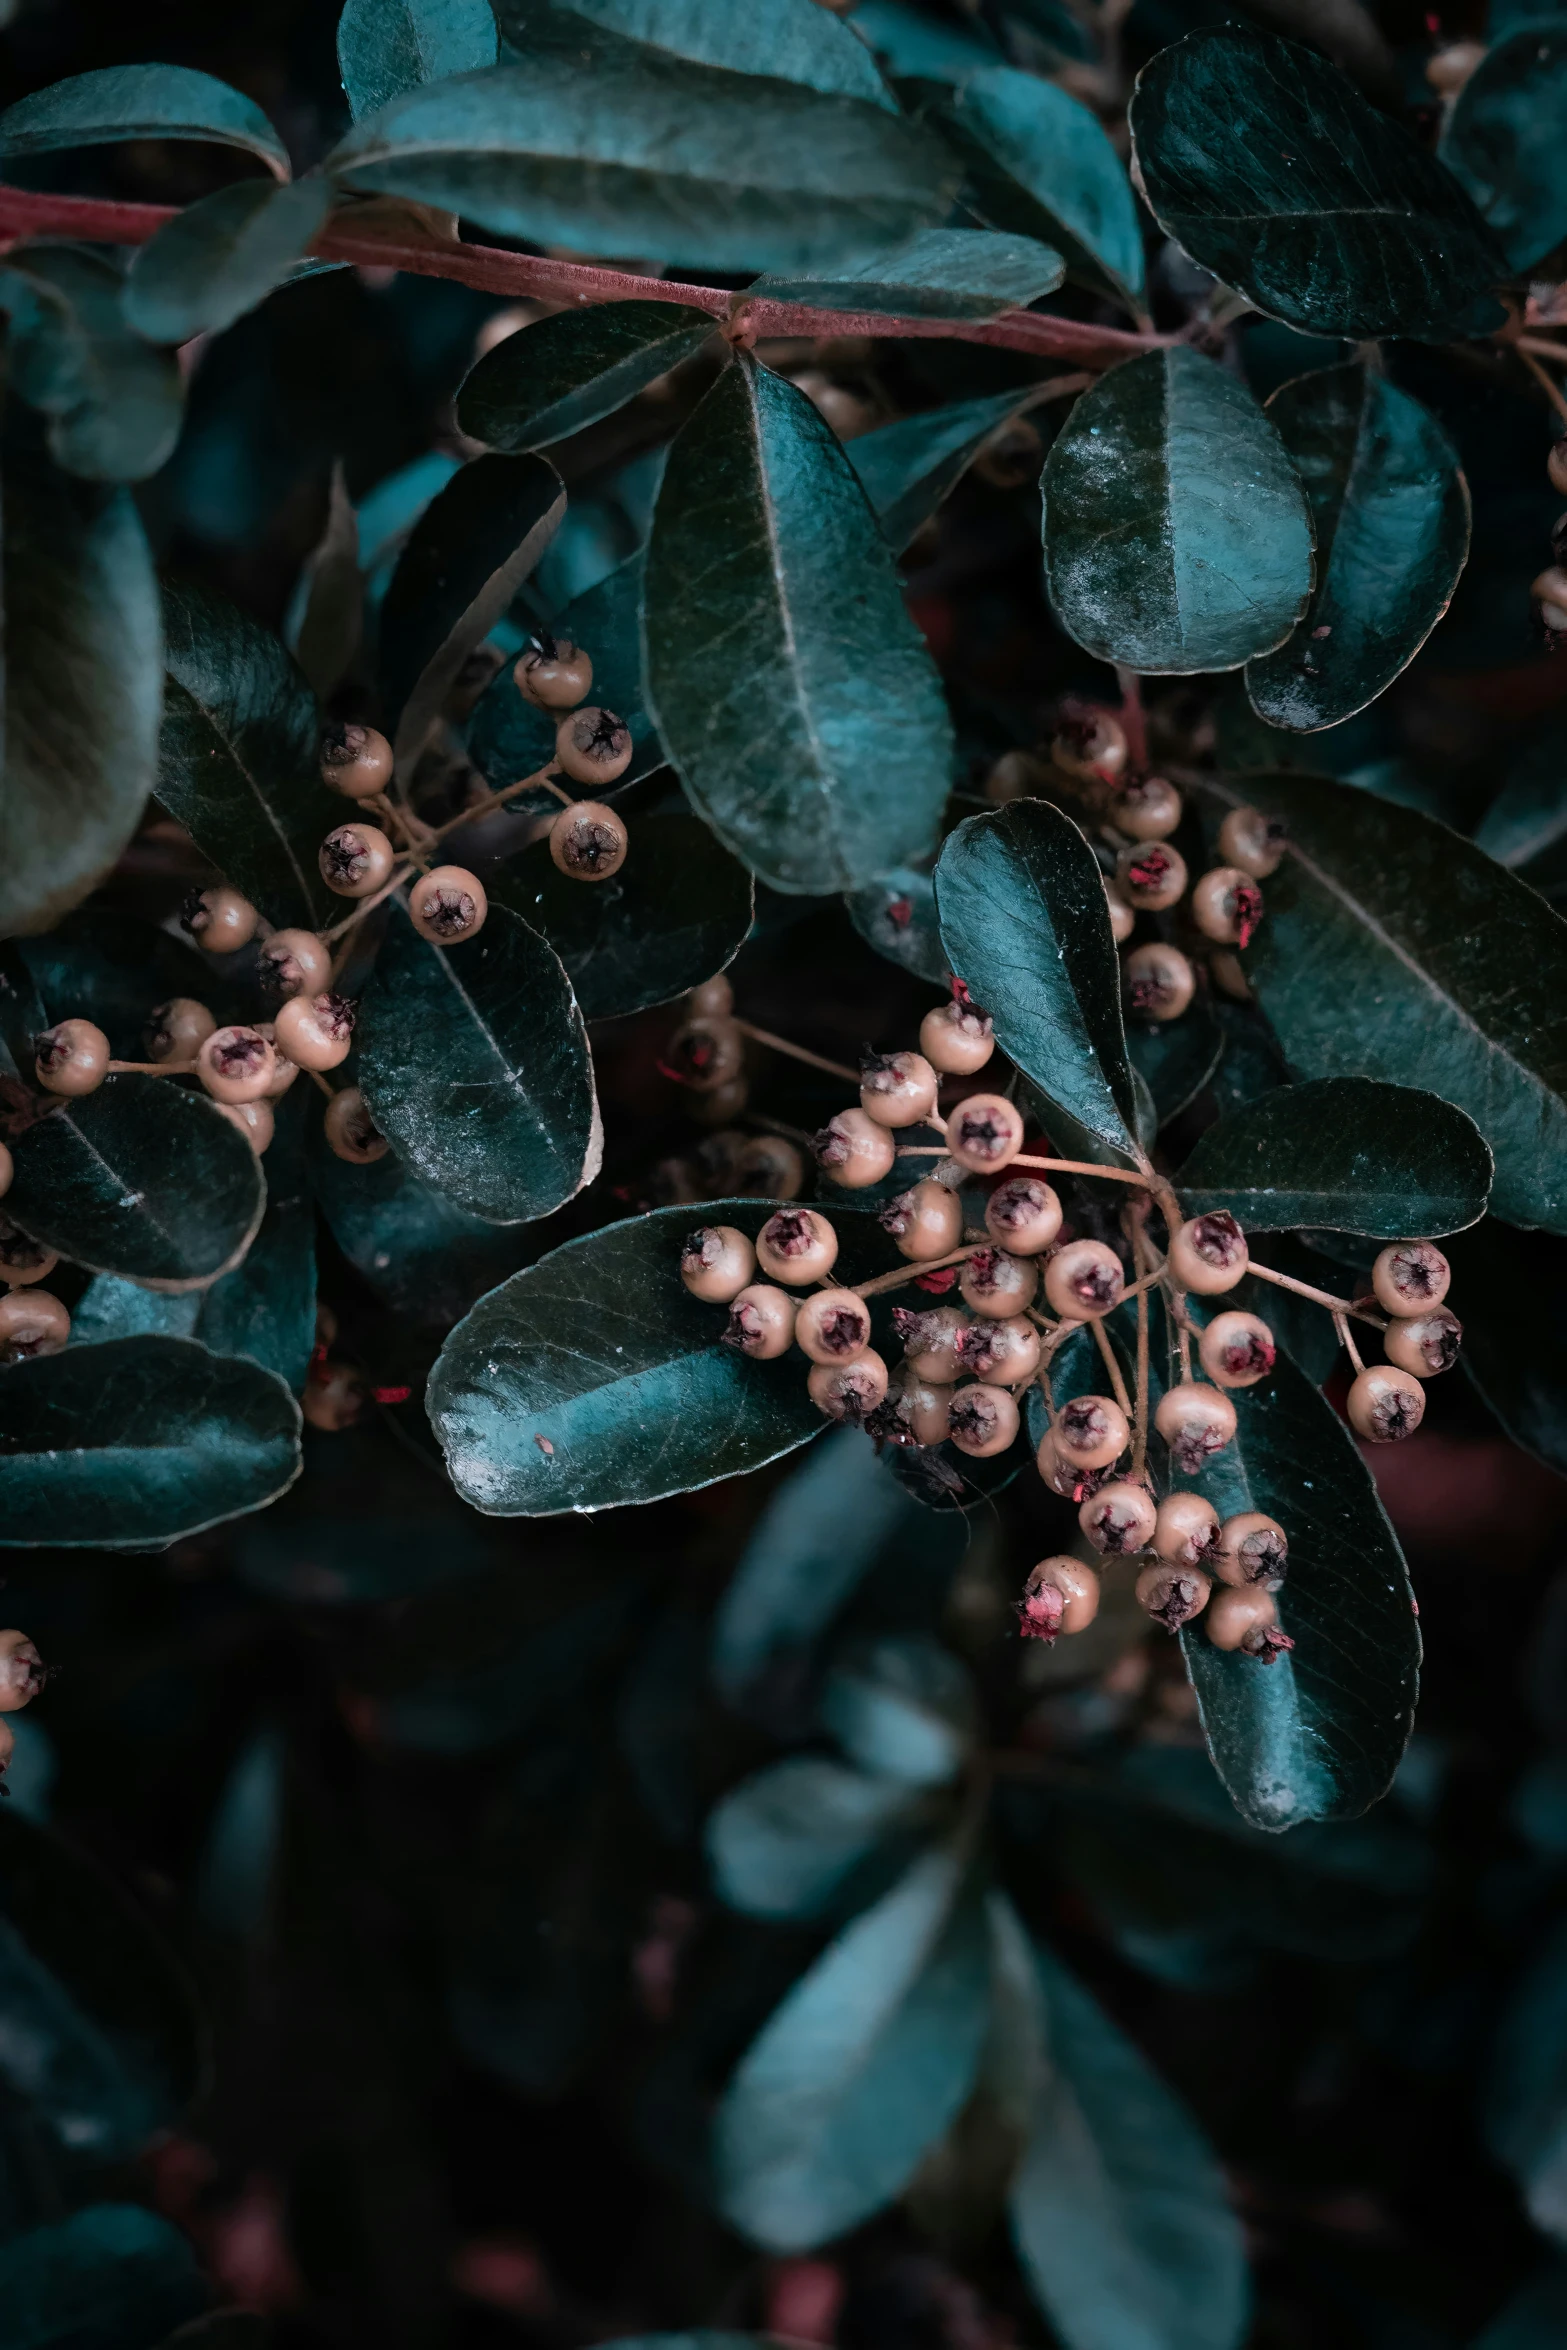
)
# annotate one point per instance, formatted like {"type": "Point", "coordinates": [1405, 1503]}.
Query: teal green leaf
{"type": "Point", "coordinates": [1535, 2317]}
{"type": "Point", "coordinates": [221, 256]}
{"type": "Point", "coordinates": [902, 1707]}
{"type": "Point", "coordinates": [1503, 140]}
{"type": "Point", "coordinates": [110, 1307]}
{"type": "Point", "coordinates": [116, 969]}
{"type": "Point", "coordinates": [942, 273]}
{"type": "Point", "coordinates": [385, 47]}
{"type": "Point", "coordinates": [1390, 509]}
{"type": "Point", "coordinates": [237, 759]}
{"type": "Point", "coordinates": [130, 1445]}
{"type": "Point", "coordinates": [1177, 535]}
{"type": "Point", "coordinates": [474, 1061]}
{"type": "Point", "coordinates": [111, 2277]}
{"type": "Point", "coordinates": [906, 469]}
{"type": "Point", "coordinates": [799, 1840]}
{"type": "Point", "coordinates": [788, 40]}
{"type": "Point", "coordinates": [897, 916]}
{"type": "Point", "coordinates": [325, 623]}
{"type": "Point", "coordinates": [1176, 1058]}
{"type": "Point", "coordinates": [1026, 927]}
{"type": "Point", "coordinates": [113, 404]}
{"type": "Point", "coordinates": [563, 373]}
{"type": "Point", "coordinates": [824, 757]}
{"type": "Point", "coordinates": [1342, 1154]}
{"type": "Point", "coordinates": [1453, 968]}
{"type": "Point", "coordinates": [1040, 164]}
{"type": "Point", "coordinates": [266, 1308]}
{"type": "Point", "coordinates": [1526, 2122]}
{"type": "Point", "coordinates": [508, 738]}
{"type": "Point", "coordinates": [915, 47]}
{"type": "Point", "coordinates": [1528, 817]}
{"type": "Point", "coordinates": [1269, 168]}
{"type": "Point", "coordinates": [139, 102]}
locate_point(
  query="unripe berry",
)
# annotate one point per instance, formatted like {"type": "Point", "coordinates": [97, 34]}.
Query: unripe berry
{"type": "Point", "coordinates": [706, 1053]}
{"type": "Point", "coordinates": [716, 1263]}
{"type": "Point", "coordinates": [1556, 466]}
{"type": "Point", "coordinates": [351, 1132]}
{"type": "Point", "coordinates": [1237, 1350]}
{"type": "Point", "coordinates": [7, 1170]}
{"type": "Point", "coordinates": [1253, 842]}
{"type": "Point", "coordinates": [31, 1323]}
{"type": "Point", "coordinates": [1061, 1595]}
{"type": "Point", "coordinates": [1227, 906]}
{"type": "Point", "coordinates": [897, 1089]}
{"type": "Point", "coordinates": [767, 1166]}
{"type": "Point", "coordinates": [1062, 1475]}
{"type": "Point", "coordinates": [1083, 1280]}
{"type": "Point", "coordinates": [1092, 747]}
{"type": "Point", "coordinates": [553, 673]}
{"type": "Point", "coordinates": [285, 1071]}
{"type": "Point", "coordinates": [1004, 1353]}
{"type": "Point", "coordinates": [1119, 1518]}
{"type": "Point", "coordinates": [1160, 981]}
{"type": "Point", "coordinates": [1426, 1344]}
{"type": "Point", "coordinates": [356, 761]}
{"type": "Point", "coordinates": [1152, 876]}
{"type": "Point", "coordinates": [1208, 1254]}
{"type": "Point", "coordinates": [832, 1326]}
{"type": "Point", "coordinates": [448, 905]}
{"type": "Point", "coordinates": [355, 860]}
{"type": "Point", "coordinates": [714, 999]}
{"type": "Point", "coordinates": [1091, 1431]}
{"type": "Point", "coordinates": [1024, 1214]}
{"type": "Point", "coordinates": [177, 1030]}
{"type": "Point", "coordinates": [761, 1322]}
{"type": "Point", "coordinates": [852, 1150]}
{"type": "Point", "coordinates": [983, 1421]}
{"type": "Point", "coordinates": [1123, 916]}
{"type": "Point", "coordinates": [930, 1341]}
{"type": "Point", "coordinates": [1229, 976]}
{"type": "Point", "coordinates": [797, 1245]}
{"type": "Point", "coordinates": [1196, 1422]}
{"type": "Point", "coordinates": [985, 1133]}
{"type": "Point", "coordinates": [1172, 1595]}
{"type": "Point", "coordinates": [1247, 1620]}
{"type": "Point", "coordinates": [254, 1120]}
{"type": "Point", "coordinates": [219, 920]}
{"type": "Point", "coordinates": [1253, 1549]}
{"type": "Point", "coordinates": [236, 1065]}
{"type": "Point", "coordinates": [73, 1058]}
{"type": "Point", "coordinates": [335, 1397]}
{"type": "Point", "coordinates": [996, 1284]}
{"type": "Point", "coordinates": [1146, 808]}
{"type": "Point", "coordinates": [1410, 1277]}
{"type": "Point", "coordinates": [957, 1038]}
{"type": "Point", "coordinates": [316, 1032]}
{"type": "Point", "coordinates": [848, 1391]}
{"type": "Point", "coordinates": [1550, 593]}
{"type": "Point", "coordinates": [1016, 775]}
{"type": "Point", "coordinates": [925, 1222]}
{"type": "Point", "coordinates": [7, 1748]}
{"type": "Point", "coordinates": [726, 1101]}
{"type": "Point", "coordinates": [1451, 66]}
{"type": "Point", "coordinates": [22, 1672]}
{"type": "Point", "coordinates": [593, 746]}
{"type": "Point", "coordinates": [1186, 1531]}
{"type": "Point", "coordinates": [23, 1260]}
{"type": "Point", "coordinates": [1385, 1404]}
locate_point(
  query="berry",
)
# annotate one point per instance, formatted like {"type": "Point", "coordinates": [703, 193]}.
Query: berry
{"type": "Point", "coordinates": [1253, 1549]}
{"type": "Point", "coordinates": [1227, 906]}
{"type": "Point", "coordinates": [236, 1064]}
{"type": "Point", "coordinates": [1556, 466]}
{"type": "Point", "coordinates": [1425, 1344]}
{"type": "Point", "coordinates": [1196, 1422]}
{"type": "Point", "coordinates": [797, 1245]}
{"type": "Point", "coordinates": [355, 860]}
{"type": "Point", "coordinates": [1024, 1214]}
{"type": "Point", "coordinates": [925, 1222]}
{"type": "Point", "coordinates": [1152, 876]}
{"type": "Point", "coordinates": [768, 1167]}
{"type": "Point", "coordinates": [930, 1341]}
{"type": "Point", "coordinates": [1451, 65]}
{"type": "Point", "coordinates": [335, 1397]}
{"type": "Point", "coordinates": [1160, 981]}
{"type": "Point", "coordinates": [1253, 842]}
{"type": "Point", "coordinates": [985, 1133]}
{"type": "Point", "coordinates": [588, 841]}
{"type": "Point", "coordinates": [1172, 1595]}
{"type": "Point", "coordinates": [848, 1391]}
{"type": "Point", "coordinates": [761, 1322]}
{"type": "Point", "coordinates": [706, 1053]}
{"type": "Point", "coordinates": [23, 1260]}
{"type": "Point", "coordinates": [1249, 1621]}
{"type": "Point", "coordinates": [593, 746]}
{"type": "Point", "coordinates": [1061, 1475]}
{"type": "Point", "coordinates": [1083, 1280]}
{"type": "Point", "coordinates": [957, 1038]}
{"type": "Point", "coordinates": [983, 1421]}
{"type": "Point", "coordinates": [996, 1284]}
{"type": "Point", "coordinates": [7, 1170]}
{"type": "Point", "coordinates": [1229, 976]}
{"type": "Point", "coordinates": [1004, 1353]}
{"type": "Point", "coordinates": [351, 1132]}
{"type": "Point", "coordinates": [832, 1326]}
{"type": "Point", "coordinates": [925, 1409]}
{"type": "Point", "coordinates": [1208, 1253]}
{"type": "Point", "coordinates": [254, 1120]}
{"type": "Point", "coordinates": [219, 920]}
{"type": "Point", "coordinates": [1016, 775]}
{"type": "Point", "coordinates": [1186, 1531]}
{"type": "Point", "coordinates": [714, 999]}
{"type": "Point", "coordinates": [852, 1150]}
{"type": "Point", "coordinates": [73, 1058]}
{"type": "Point", "coordinates": [316, 1032]}
{"type": "Point", "coordinates": [1091, 1431]}
{"type": "Point", "coordinates": [448, 905]}
{"type": "Point", "coordinates": [293, 962]}
{"type": "Point", "coordinates": [1146, 808]}
{"type": "Point", "coordinates": [22, 1672]}
{"type": "Point", "coordinates": [1091, 747]}
{"type": "Point", "coordinates": [286, 1071]}
{"type": "Point", "coordinates": [1550, 593]}
{"type": "Point", "coordinates": [7, 1749]}
{"type": "Point", "coordinates": [1385, 1404]}
{"type": "Point", "coordinates": [31, 1323]}
{"type": "Point", "coordinates": [177, 1029]}
{"type": "Point", "coordinates": [1011, 456]}
{"type": "Point", "coordinates": [725, 1101]}
{"type": "Point", "coordinates": [1123, 916]}
{"type": "Point", "coordinates": [1119, 1518]}
{"type": "Point", "coordinates": [897, 1089]}
{"type": "Point", "coordinates": [716, 1263]}
{"type": "Point", "coordinates": [1061, 1595]}
{"type": "Point", "coordinates": [1237, 1350]}
{"type": "Point", "coordinates": [356, 761]}
{"type": "Point", "coordinates": [1410, 1277]}
{"type": "Point", "coordinates": [553, 673]}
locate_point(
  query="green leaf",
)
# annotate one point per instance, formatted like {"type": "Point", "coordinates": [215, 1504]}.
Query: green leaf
{"type": "Point", "coordinates": [1391, 513]}
{"type": "Point", "coordinates": [824, 757]}
{"type": "Point", "coordinates": [1119, 2207]}
{"type": "Point", "coordinates": [903, 1708]}
{"type": "Point", "coordinates": [915, 47]}
{"type": "Point", "coordinates": [508, 738]}
{"type": "Point", "coordinates": [385, 47]}
{"type": "Point", "coordinates": [561, 374]}
{"type": "Point", "coordinates": [110, 1307]}
{"type": "Point", "coordinates": [266, 1308]}
{"type": "Point", "coordinates": [470, 551]}
{"type": "Point", "coordinates": [678, 910]}
{"type": "Point", "coordinates": [115, 970]}
{"type": "Point", "coordinates": [111, 2277]}
{"type": "Point", "coordinates": [942, 273]}
{"type": "Point", "coordinates": [141, 1179]}
{"type": "Point", "coordinates": [1535, 2317]}
{"type": "Point", "coordinates": [83, 652]}
{"type": "Point", "coordinates": [1512, 1358]}
{"type": "Point", "coordinates": [1269, 168]}
{"type": "Point", "coordinates": [907, 469]}
{"type": "Point", "coordinates": [863, 2067]}
{"type": "Point", "coordinates": [1177, 536]}
{"type": "Point", "coordinates": [326, 615]}
{"type": "Point", "coordinates": [1176, 1058]}
{"type": "Point", "coordinates": [131, 1445]}
{"type": "Point", "coordinates": [238, 757]}
{"type": "Point", "coordinates": [799, 1840]}
{"type": "Point", "coordinates": [897, 916]}
{"type": "Point", "coordinates": [221, 256]}
{"type": "Point", "coordinates": [1449, 975]}
{"type": "Point", "coordinates": [139, 102]}
{"type": "Point", "coordinates": [1025, 925]}
{"type": "Point", "coordinates": [1040, 164]}
{"type": "Point", "coordinates": [788, 40]}
{"type": "Point", "coordinates": [1528, 817]}
{"type": "Point", "coordinates": [1342, 1154]}
{"type": "Point", "coordinates": [114, 406]}
{"type": "Point", "coordinates": [1502, 141]}
{"type": "Point", "coordinates": [475, 1062]}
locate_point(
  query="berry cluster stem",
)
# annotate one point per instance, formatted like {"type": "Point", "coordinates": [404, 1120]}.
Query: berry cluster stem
{"type": "Point", "coordinates": [366, 906]}
{"type": "Point", "coordinates": [498, 799]}
{"type": "Point", "coordinates": [905, 1273]}
{"type": "Point", "coordinates": [1319, 1297]}
{"type": "Point", "coordinates": [149, 1068]}
{"type": "Point", "coordinates": [798, 1052]}
{"type": "Point", "coordinates": [1102, 1340]}
{"type": "Point", "coordinates": [1140, 1416]}
{"type": "Point", "coordinates": [1341, 1325]}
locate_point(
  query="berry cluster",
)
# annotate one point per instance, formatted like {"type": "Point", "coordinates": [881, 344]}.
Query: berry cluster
{"type": "Point", "coordinates": [22, 1674]}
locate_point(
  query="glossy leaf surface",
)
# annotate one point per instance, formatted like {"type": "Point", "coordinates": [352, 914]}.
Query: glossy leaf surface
{"type": "Point", "coordinates": [222, 255]}
{"type": "Point", "coordinates": [787, 41]}
{"type": "Point", "coordinates": [1342, 1154]}
{"type": "Point", "coordinates": [824, 759]}
{"type": "Point", "coordinates": [113, 2276]}
{"type": "Point", "coordinates": [508, 738]}
{"type": "Point", "coordinates": [385, 47]}
{"type": "Point", "coordinates": [797, 1839]}
{"type": "Point", "coordinates": [565, 372]}
{"type": "Point", "coordinates": [950, 273]}
{"type": "Point", "coordinates": [1177, 536]}
{"type": "Point", "coordinates": [114, 405]}
{"type": "Point", "coordinates": [266, 1308]}
{"type": "Point", "coordinates": [906, 469]}
{"type": "Point", "coordinates": [1502, 140]}
{"type": "Point", "coordinates": [1176, 1058]}
{"type": "Point", "coordinates": [1040, 163]}
{"type": "Point", "coordinates": [139, 102]}
{"type": "Point", "coordinates": [902, 1707]}
{"type": "Point", "coordinates": [115, 970]}
{"type": "Point", "coordinates": [897, 916]}
{"type": "Point", "coordinates": [1527, 820]}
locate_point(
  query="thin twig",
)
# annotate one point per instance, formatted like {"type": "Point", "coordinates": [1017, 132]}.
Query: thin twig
{"type": "Point", "coordinates": [1102, 1339]}
{"type": "Point", "coordinates": [797, 1052]}
{"type": "Point", "coordinates": [1140, 1420]}
{"type": "Point", "coordinates": [1133, 723]}
{"type": "Point", "coordinates": [1083, 1167]}
{"type": "Point", "coordinates": [368, 905]}
{"type": "Point", "coordinates": [1341, 1325]}
{"type": "Point", "coordinates": [498, 799]}
{"type": "Point", "coordinates": [917, 1272]}
{"type": "Point", "coordinates": [150, 1068]}
{"type": "Point", "coordinates": [1318, 1297]}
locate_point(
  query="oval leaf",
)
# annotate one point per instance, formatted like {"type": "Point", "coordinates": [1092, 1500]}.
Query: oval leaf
{"type": "Point", "coordinates": [508, 738]}
{"type": "Point", "coordinates": [1176, 1058]}
{"type": "Point", "coordinates": [561, 374]}
{"type": "Point", "coordinates": [796, 1840]}
{"type": "Point", "coordinates": [112, 2277]}
{"type": "Point", "coordinates": [789, 40]}
{"type": "Point", "coordinates": [1502, 141]}
{"type": "Point", "coordinates": [1177, 536]}
{"type": "Point", "coordinates": [114, 405]}
{"type": "Point", "coordinates": [824, 759]}
{"type": "Point", "coordinates": [950, 273]}
{"type": "Point", "coordinates": [1040, 163]}
{"type": "Point", "coordinates": [906, 469]}
{"type": "Point", "coordinates": [115, 970]}
{"type": "Point", "coordinates": [139, 102]}
{"type": "Point", "coordinates": [221, 256]}
{"type": "Point", "coordinates": [385, 47]}
{"type": "Point", "coordinates": [903, 1708]}
{"type": "Point", "coordinates": [897, 916]}
{"type": "Point", "coordinates": [266, 1308]}
{"type": "Point", "coordinates": [1342, 1154]}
